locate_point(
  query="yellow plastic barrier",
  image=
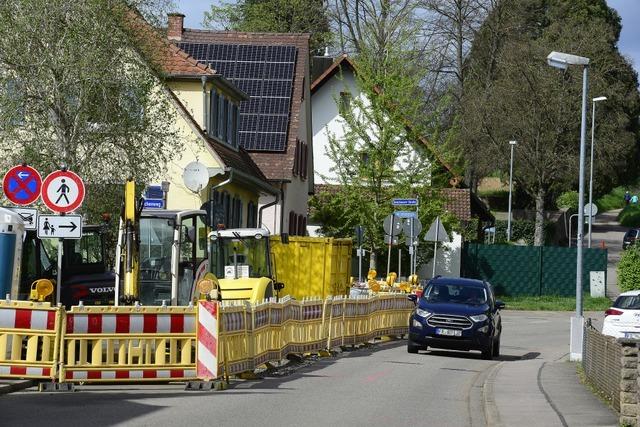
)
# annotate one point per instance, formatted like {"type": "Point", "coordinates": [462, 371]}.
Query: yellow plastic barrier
{"type": "Point", "coordinates": [313, 266]}
{"type": "Point", "coordinates": [29, 334]}
{"type": "Point", "coordinates": [106, 344]}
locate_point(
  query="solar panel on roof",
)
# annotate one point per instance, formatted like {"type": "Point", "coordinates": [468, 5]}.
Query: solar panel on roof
{"type": "Point", "coordinates": [266, 74]}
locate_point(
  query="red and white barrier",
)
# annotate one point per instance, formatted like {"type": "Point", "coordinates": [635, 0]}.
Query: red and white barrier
{"type": "Point", "coordinates": [142, 374]}
{"type": "Point", "coordinates": [21, 318]}
{"type": "Point", "coordinates": [207, 336]}
{"type": "Point", "coordinates": [126, 323]}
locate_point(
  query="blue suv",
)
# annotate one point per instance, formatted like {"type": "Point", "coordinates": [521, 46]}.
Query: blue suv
{"type": "Point", "coordinates": [456, 314]}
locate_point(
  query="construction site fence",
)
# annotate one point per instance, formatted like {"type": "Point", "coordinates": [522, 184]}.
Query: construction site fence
{"type": "Point", "coordinates": [137, 344]}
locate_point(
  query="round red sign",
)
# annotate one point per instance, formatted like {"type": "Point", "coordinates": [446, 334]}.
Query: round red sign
{"type": "Point", "coordinates": [63, 191]}
{"type": "Point", "coordinates": [22, 185]}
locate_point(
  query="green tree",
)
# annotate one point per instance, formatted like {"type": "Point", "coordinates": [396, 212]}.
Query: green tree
{"type": "Point", "coordinates": [75, 91]}
{"type": "Point", "coordinates": [274, 16]}
{"type": "Point", "coordinates": [512, 94]}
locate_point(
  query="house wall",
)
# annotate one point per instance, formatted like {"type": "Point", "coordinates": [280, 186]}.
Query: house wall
{"type": "Point", "coordinates": [326, 120]}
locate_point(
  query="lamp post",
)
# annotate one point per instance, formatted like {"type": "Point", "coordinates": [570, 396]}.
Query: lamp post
{"type": "Point", "coordinates": [563, 61]}
{"type": "Point", "coordinates": [593, 132]}
{"type": "Point", "coordinates": [512, 144]}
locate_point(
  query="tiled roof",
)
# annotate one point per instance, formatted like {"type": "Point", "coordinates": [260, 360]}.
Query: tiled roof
{"type": "Point", "coordinates": [275, 166]}
{"type": "Point", "coordinates": [163, 55]}
{"type": "Point", "coordinates": [458, 202]}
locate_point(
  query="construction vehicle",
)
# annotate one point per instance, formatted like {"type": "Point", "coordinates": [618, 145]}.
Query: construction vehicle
{"type": "Point", "coordinates": [85, 274]}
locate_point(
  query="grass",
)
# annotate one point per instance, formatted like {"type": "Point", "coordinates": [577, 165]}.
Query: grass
{"type": "Point", "coordinates": [630, 216]}
{"type": "Point", "coordinates": [554, 303]}
{"type": "Point", "coordinates": [614, 199]}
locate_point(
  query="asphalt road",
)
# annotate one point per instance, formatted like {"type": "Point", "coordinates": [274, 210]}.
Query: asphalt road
{"type": "Point", "coordinates": [381, 385]}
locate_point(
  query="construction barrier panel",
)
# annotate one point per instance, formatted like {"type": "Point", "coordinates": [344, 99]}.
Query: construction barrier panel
{"type": "Point", "coordinates": [121, 344]}
{"type": "Point", "coordinates": [106, 344]}
{"type": "Point", "coordinates": [29, 339]}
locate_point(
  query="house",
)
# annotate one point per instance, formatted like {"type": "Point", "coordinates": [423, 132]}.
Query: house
{"type": "Point", "coordinates": [274, 124]}
{"type": "Point", "coordinates": [207, 122]}
{"type": "Point", "coordinates": [334, 87]}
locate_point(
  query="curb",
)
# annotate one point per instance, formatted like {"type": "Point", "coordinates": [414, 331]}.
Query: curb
{"type": "Point", "coordinates": [492, 416]}
{"type": "Point", "coordinates": [17, 385]}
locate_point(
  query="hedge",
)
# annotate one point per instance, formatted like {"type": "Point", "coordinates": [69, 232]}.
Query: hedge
{"type": "Point", "coordinates": [629, 269]}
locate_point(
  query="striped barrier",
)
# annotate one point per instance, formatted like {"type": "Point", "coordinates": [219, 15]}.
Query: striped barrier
{"type": "Point", "coordinates": [29, 339]}
{"type": "Point", "coordinates": [207, 336]}
{"type": "Point", "coordinates": [102, 344]}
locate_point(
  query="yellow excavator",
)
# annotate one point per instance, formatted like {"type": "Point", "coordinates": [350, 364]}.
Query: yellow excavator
{"type": "Point", "coordinates": [162, 255]}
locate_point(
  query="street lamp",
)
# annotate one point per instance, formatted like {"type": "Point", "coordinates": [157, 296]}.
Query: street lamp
{"type": "Point", "coordinates": [563, 61]}
{"type": "Point", "coordinates": [512, 144]}
{"type": "Point", "coordinates": [593, 132]}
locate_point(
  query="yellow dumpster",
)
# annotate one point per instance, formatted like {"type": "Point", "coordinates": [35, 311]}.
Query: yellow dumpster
{"type": "Point", "coordinates": [312, 266]}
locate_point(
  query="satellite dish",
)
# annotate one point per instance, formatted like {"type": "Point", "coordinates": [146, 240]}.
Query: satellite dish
{"type": "Point", "coordinates": [195, 176]}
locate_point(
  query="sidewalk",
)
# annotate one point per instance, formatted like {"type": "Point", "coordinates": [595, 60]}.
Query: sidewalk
{"type": "Point", "coordinates": [606, 228]}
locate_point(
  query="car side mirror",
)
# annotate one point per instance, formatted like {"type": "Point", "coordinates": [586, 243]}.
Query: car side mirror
{"type": "Point", "coordinates": [413, 298]}
{"type": "Point", "coordinates": [499, 304]}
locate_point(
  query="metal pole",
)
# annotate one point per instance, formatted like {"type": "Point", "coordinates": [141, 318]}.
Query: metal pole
{"type": "Point", "coordinates": [399, 261]}
{"type": "Point", "coordinates": [393, 220]}
{"type": "Point", "coordinates": [59, 284]}
{"type": "Point", "coordinates": [435, 246]}
{"type": "Point", "coordinates": [577, 322]}
{"type": "Point", "coordinates": [360, 264]}
{"type": "Point", "coordinates": [593, 127]}
{"type": "Point", "coordinates": [512, 144]}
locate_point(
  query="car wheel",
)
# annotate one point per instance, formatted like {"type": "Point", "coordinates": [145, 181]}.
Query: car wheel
{"type": "Point", "coordinates": [496, 348]}
{"type": "Point", "coordinates": [412, 348]}
{"type": "Point", "coordinates": [487, 352]}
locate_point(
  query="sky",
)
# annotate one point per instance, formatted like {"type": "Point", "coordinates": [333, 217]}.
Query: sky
{"type": "Point", "coordinates": [629, 10]}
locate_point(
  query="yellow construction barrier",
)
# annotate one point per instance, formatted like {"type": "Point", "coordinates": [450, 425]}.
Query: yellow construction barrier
{"type": "Point", "coordinates": [106, 344]}
{"type": "Point", "coordinates": [29, 339]}
{"type": "Point", "coordinates": [136, 344]}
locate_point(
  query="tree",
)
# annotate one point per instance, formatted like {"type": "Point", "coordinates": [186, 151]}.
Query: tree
{"type": "Point", "coordinates": [274, 16]}
{"type": "Point", "coordinates": [77, 92]}
{"type": "Point", "coordinates": [512, 94]}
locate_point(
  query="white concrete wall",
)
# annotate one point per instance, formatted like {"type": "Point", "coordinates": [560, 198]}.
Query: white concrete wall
{"type": "Point", "coordinates": [448, 260]}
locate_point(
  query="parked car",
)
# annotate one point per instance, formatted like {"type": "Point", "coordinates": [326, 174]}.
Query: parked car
{"type": "Point", "coordinates": [622, 320]}
{"type": "Point", "coordinates": [630, 238]}
{"type": "Point", "coordinates": [456, 314]}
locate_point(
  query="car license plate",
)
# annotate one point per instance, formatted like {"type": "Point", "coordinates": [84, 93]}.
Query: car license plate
{"type": "Point", "coordinates": [449, 332]}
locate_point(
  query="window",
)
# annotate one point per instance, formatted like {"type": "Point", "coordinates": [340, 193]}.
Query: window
{"type": "Point", "coordinates": [252, 215]}
{"type": "Point", "coordinates": [224, 119]}
{"type": "Point", "coordinates": [345, 102]}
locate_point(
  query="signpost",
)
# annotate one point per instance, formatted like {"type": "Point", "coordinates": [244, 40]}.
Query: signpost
{"type": "Point", "coordinates": [63, 191]}
{"type": "Point", "coordinates": [22, 185]}
{"type": "Point", "coordinates": [60, 227]}
{"type": "Point", "coordinates": [359, 237]}
{"type": "Point", "coordinates": [437, 233]}
{"type": "Point", "coordinates": [153, 204]}
{"type": "Point", "coordinates": [405, 202]}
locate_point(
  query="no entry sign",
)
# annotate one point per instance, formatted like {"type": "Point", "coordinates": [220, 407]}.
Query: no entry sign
{"type": "Point", "coordinates": [22, 185]}
{"type": "Point", "coordinates": [63, 191]}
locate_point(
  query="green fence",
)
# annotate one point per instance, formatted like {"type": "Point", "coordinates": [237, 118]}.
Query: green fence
{"type": "Point", "coordinates": [530, 270]}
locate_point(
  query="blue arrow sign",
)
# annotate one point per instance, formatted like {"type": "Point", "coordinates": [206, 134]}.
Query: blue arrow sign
{"type": "Point", "coordinates": [406, 214]}
{"type": "Point", "coordinates": [405, 202]}
{"type": "Point", "coordinates": [153, 204]}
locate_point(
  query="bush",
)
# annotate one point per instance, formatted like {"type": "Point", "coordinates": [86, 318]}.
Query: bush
{"type": "Point", "coordinates": [521, 229]}
{"type": "Point", "coordinates": [630, 216]}
{"type": "Point", "coordinates": [629, 270]}
{"type": "Point", "coordinates": [568, 200]}
{"type": "Point", "coordinates": [612, 200]}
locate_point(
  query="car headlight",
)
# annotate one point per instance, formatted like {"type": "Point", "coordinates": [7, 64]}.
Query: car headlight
{"type": "Point", "coordinates": [479, 318]}
{"type": "Point", "coordinates": [423, 313]}
{"type": "Point", "coordinates": [416, 324]}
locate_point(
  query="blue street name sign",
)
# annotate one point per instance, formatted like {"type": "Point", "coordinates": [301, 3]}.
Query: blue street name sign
{"type": "Point", "coordinates": [405, 214]}
{"type": "Point", "coordinates": [153, 204]}
{"type": "Point", "coordinates": [405, 202]}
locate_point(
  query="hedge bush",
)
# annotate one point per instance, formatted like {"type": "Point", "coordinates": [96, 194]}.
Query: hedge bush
{"type": "Point", "coordinates": [522, 229]}
{"type": "Point", "coordinates": [629, 269]}
{"type": "Point", "coordinates": [568, 199]}
{"type": "Point", "coordinates": [630, 216]}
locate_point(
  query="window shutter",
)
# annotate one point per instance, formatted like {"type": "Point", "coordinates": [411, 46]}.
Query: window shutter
{"type": "Point", "coordinates": [292, 223]}
{"type": "Point", "coordinates": [213, 113]}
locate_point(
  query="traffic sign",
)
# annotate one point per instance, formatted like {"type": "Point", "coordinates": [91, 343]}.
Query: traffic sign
{"type": "Point", "coordinates": [405, 202]}
{"type": "Point", "coordinates": [590, 209]}
{"type": "Point", "coordinates": [63, 191]}
{"type": "Point", "coordinates": [59, 227]}
{"type": "Point", "coordinates": [417, 226]}
{"type": "Point", "coordinates": [28, 215]}
{"type": "Point", "coordinates": [394, 229]}
{"type": "Point", "coordinates": [437, 232]}
{"type": "Point", "coordinates": [22, 185]}
{"type": "Point", "coordinates": [393, 240]}
{"type": "Point", "coordinates": [406, 214]}
{"type": "Point", "coordinates": [153, 204]}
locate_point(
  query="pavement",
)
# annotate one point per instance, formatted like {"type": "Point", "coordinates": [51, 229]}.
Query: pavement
{"type": "Point", "coordinates": [608, 232]}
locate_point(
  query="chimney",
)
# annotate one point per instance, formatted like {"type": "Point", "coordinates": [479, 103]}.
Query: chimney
{"type": "Point", "coordinates": [176, 26]}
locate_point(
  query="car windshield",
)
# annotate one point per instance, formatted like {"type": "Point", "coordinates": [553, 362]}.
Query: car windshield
{"type": "Point", "coordinates": [631, 302]}
{"type": "Point", "coordinates": [457, 294]}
